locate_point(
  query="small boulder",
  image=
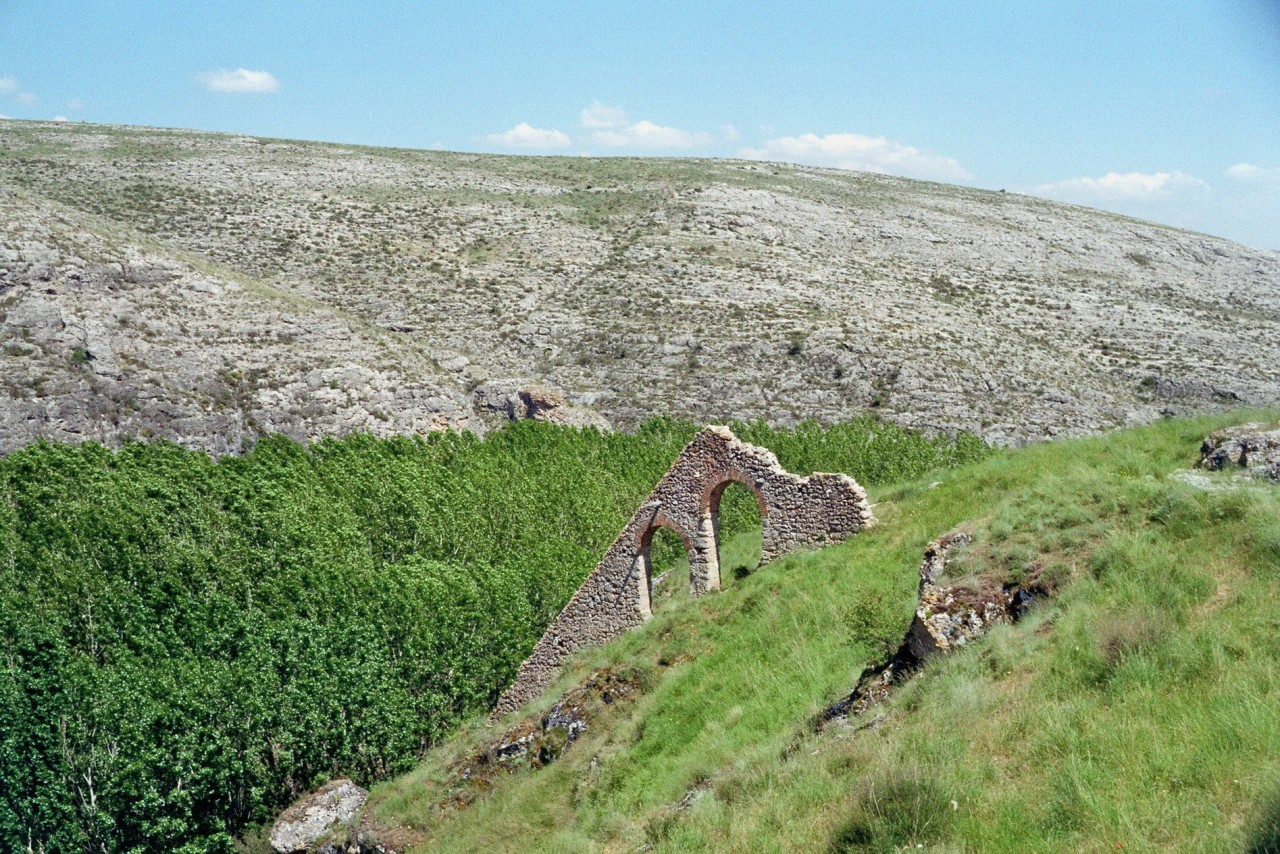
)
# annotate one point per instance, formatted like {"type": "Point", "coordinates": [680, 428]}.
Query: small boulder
{"type": "Point", "coordinates": [316, 816]}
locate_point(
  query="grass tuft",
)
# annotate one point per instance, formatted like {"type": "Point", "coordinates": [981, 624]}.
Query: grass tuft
{"type": "Point", "coordinates": [904, 807]}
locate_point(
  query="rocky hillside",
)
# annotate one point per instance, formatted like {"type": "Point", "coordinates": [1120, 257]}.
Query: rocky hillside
{"type": "Point", "coordinates": [211, 288]}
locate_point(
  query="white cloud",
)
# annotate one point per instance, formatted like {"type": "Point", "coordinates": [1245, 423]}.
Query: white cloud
{"type": "Point", "coordinates": [1235, 205]}
{"type": "Point", "coordinates": [730, 133]}
{"type": "Point", "coordinates": [858, 152]}
{"type": "Point", "coordinates": [600, 116]}
{"type": "Point", "coordinates": [1128, 186]}
{"type": "Point", "coordinates": [26, 98]}
{"type": "Point", "coordinates": [240, 80]}
{"type": "Point", "coordinates": [525, 135]}
{"type": "Point", "coordinates": [61, 119]}
{"type": "Point", "coordinates": [646, 134]}
{"type": "Point", "coordinates": [3, 116]}
{"type": "Point", "coordinates": [8, 85]}
{"type": "Point", "coordinates": [1248, 173]}
{"type": "Point", "coordinates": [612, 126]}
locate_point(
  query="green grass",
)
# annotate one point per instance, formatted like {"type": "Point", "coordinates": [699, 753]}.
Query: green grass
{"type": "Point", "coordinates": [1140, 708]}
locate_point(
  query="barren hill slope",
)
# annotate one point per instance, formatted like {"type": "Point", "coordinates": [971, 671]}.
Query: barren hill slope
{"type": "Point", "coordinates": [210, 288]}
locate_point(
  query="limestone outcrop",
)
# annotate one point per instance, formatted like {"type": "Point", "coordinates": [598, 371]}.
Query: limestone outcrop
{"type": "Point", "coordinates": [1249, 447]}
{"type": "Point", "coordinates": [317, 816]}
{"type": "Point", "coordinates": [948, 616]}
{"type": "Point", "coordinates": [796, 513]}
{"type": "Point", "coordinates": [520, 401]}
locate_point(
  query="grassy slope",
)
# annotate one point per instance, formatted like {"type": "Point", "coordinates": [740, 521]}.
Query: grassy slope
{"type": "Point", "coordinates": [1140, 709]}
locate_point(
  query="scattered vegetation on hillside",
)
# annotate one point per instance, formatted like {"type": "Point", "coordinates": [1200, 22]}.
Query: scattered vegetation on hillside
{"type": "Point", "coordinates": [220, 288]}
{"type": "Point", "coordinates": [185, 644]}
{"type": "Point", "coordinates": [1137, 710]}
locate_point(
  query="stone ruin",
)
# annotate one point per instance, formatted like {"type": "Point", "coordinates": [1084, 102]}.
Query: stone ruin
{"type": "Point", "coordinates": [796, 513]}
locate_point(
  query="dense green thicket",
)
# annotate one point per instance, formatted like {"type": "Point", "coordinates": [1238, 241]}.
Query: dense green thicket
{"type": "Point", "coordinates": [186, 644]}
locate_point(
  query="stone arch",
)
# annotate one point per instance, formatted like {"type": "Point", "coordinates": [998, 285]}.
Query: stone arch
{"type": "Point", "coordinates": [710, 507]}
{"type": "Point", "coordinates": [795, 512]}
{"type": "Point", "coordinates": [644, 560]}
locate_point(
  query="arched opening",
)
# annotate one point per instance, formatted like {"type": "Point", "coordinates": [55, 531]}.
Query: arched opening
{"type": "Point", "coordinates": [667, 564]}
{"type": "Point", "coordinates": [737, 520]}
{"type": "Point", "coordinates": [664, 557]}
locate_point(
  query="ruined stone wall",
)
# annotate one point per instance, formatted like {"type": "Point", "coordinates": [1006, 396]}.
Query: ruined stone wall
{"type": "Point", "coordinates": [796, 513]}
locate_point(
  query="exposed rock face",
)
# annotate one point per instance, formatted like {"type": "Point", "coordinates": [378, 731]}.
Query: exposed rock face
{"type": "Point", "coordinates": [543, 404]}
{"type": "Point", "coordinates": [539, 742]}
{"type": "Point", "coordinates": [947, 618]}
{"type": "Point", "coordinates": [796, 513]}
{"type": "Point", "coordinates": [517, 402]}
{"type": "Point", "coordinates": [144, 347]}
{"type": "Point", "coordinates": [308, 823]}
{"type": "Point", "coordinates": [1249, 447]}
{"type": "Point", "coordinates": [208, 290]}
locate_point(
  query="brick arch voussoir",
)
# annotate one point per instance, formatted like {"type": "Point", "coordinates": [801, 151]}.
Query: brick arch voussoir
{"type": "Point", "coordinates": [644, 538]}
{"type": "Point", "coordinates": [713, 491]}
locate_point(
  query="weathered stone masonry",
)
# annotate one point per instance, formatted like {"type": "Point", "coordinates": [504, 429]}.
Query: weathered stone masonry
{"type": "Point", "coordinates": [796, 512]}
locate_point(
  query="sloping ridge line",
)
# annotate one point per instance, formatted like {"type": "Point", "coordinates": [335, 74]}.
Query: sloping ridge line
{"type": "Point", "coordinates": [796, 513]}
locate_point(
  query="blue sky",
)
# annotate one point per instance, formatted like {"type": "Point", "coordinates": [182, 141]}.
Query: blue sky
{"type": "Point", "coordinates": [1164, 110]}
